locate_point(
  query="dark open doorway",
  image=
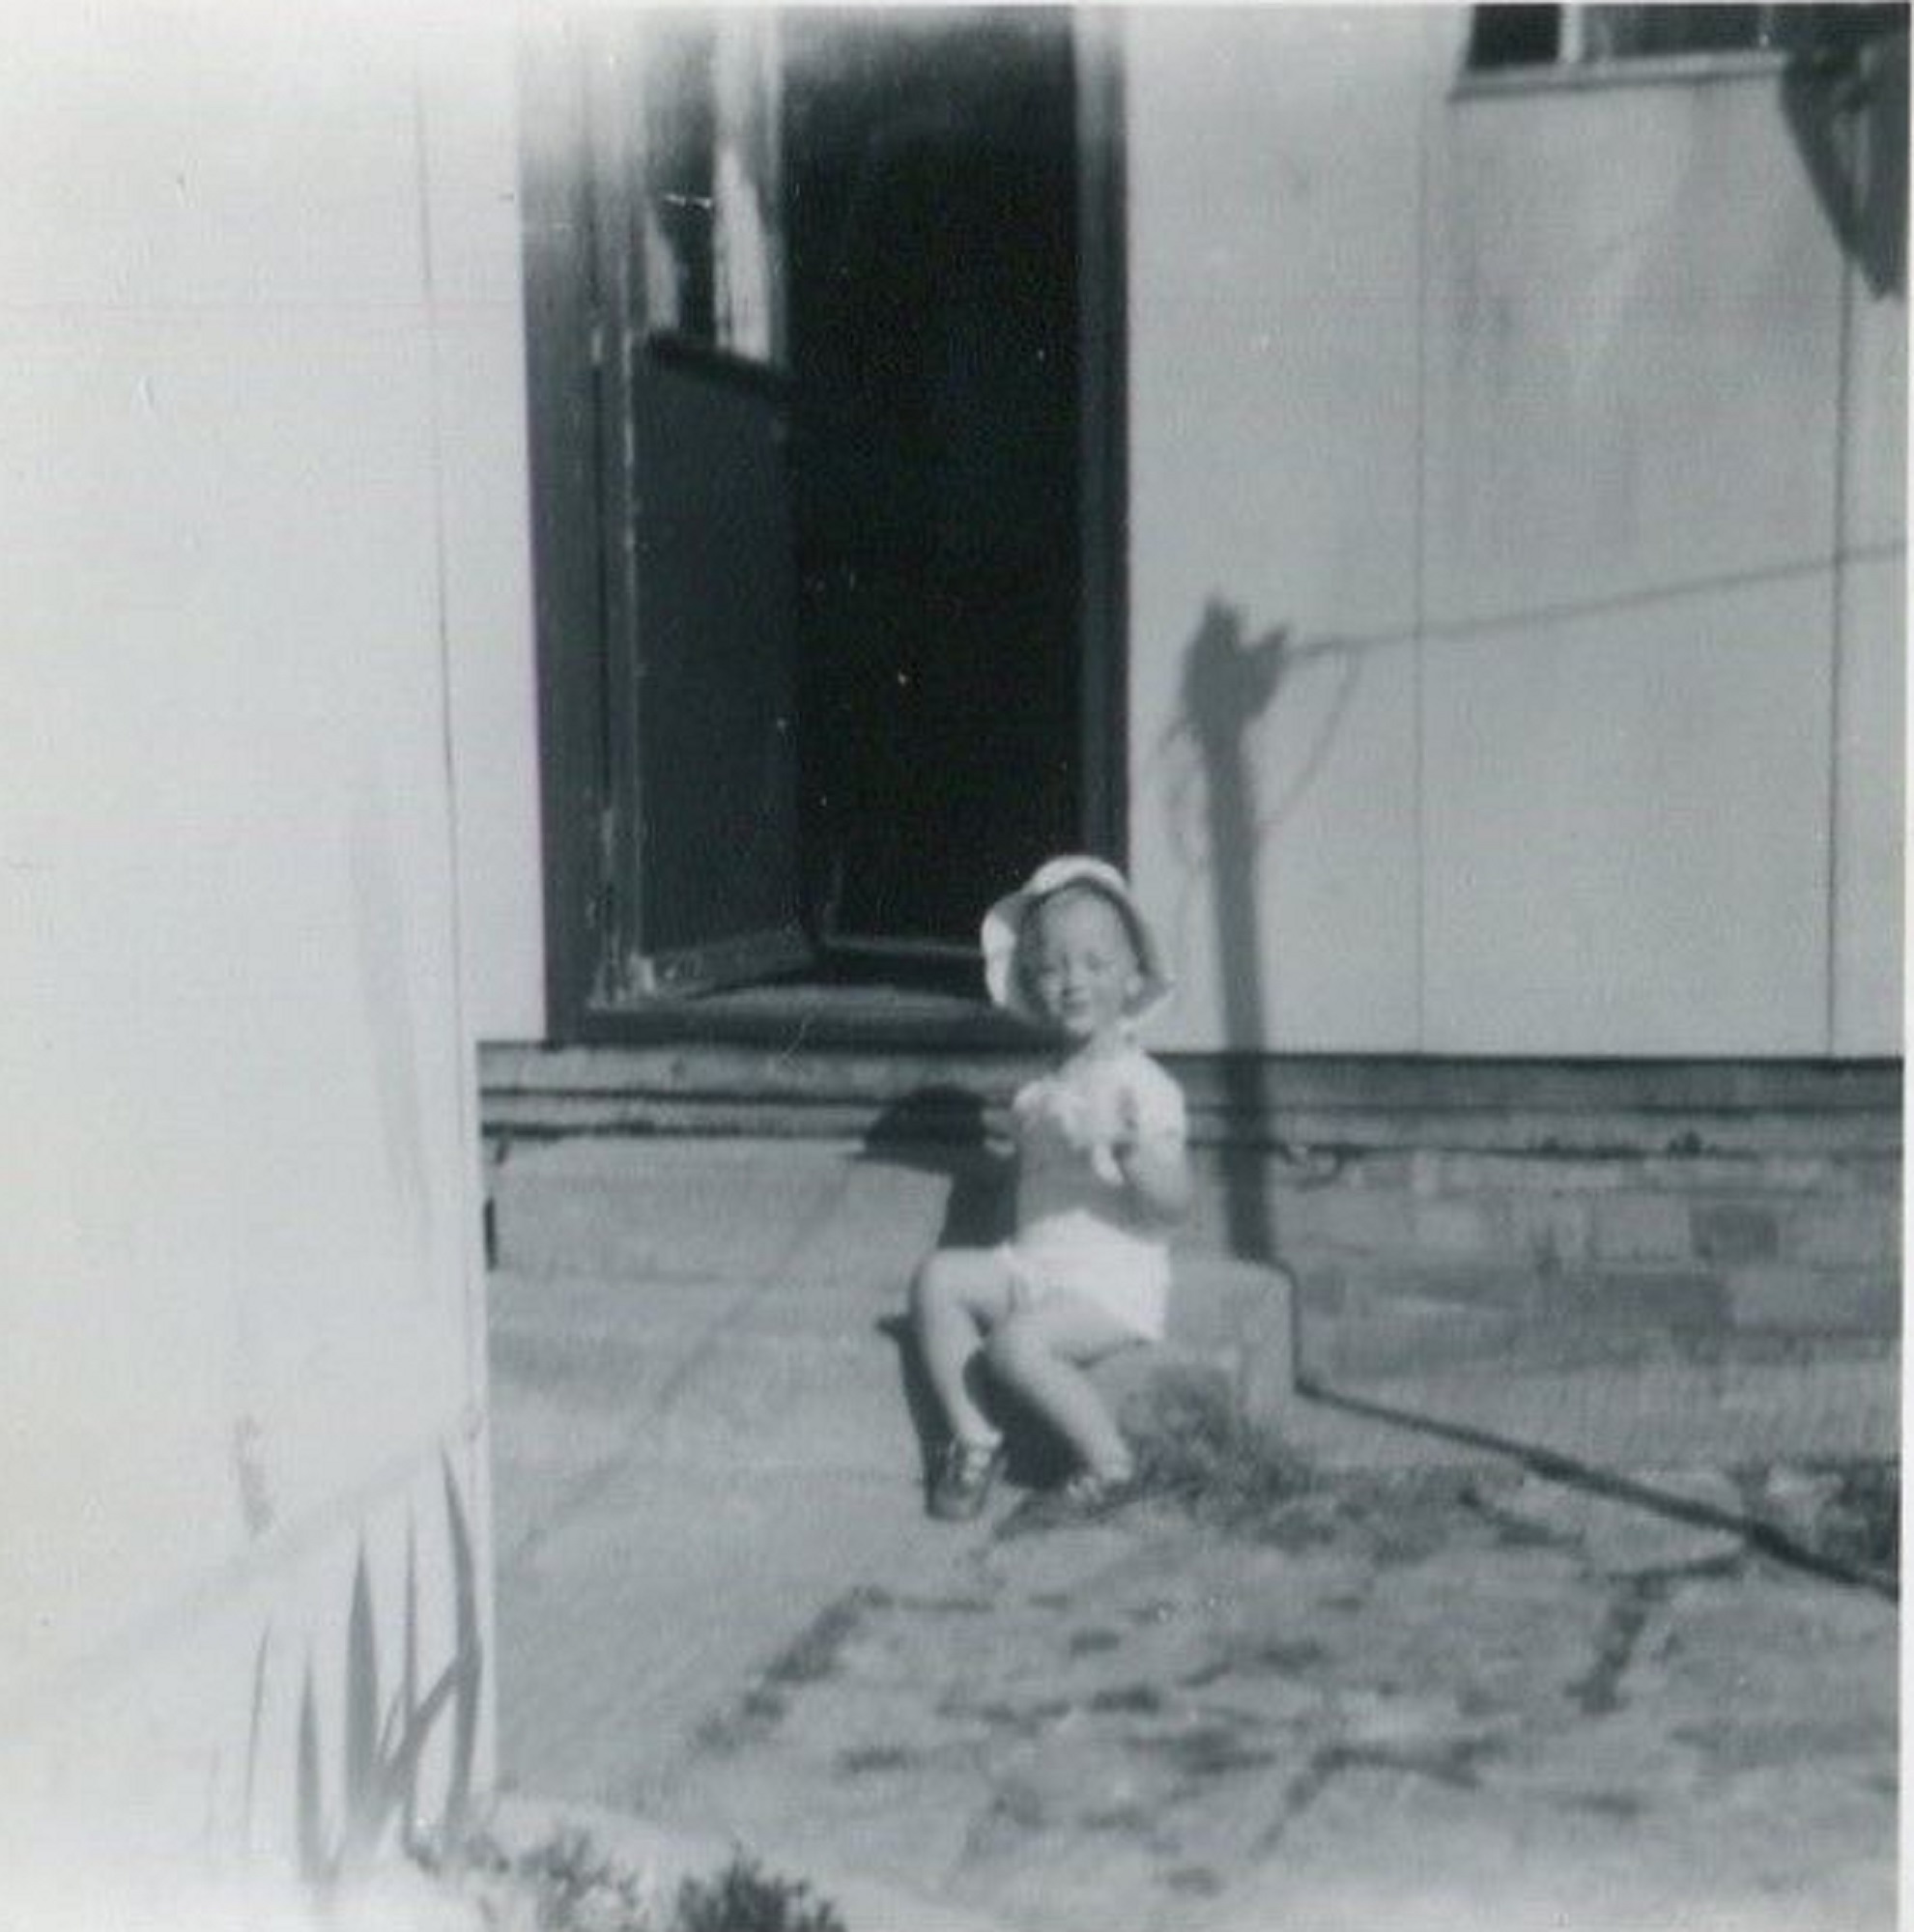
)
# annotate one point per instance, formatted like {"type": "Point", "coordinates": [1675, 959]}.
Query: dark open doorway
{"type": "Point", "coordinates": [935, 321]}
{"type": "Point", "coordinates": [826, 430]}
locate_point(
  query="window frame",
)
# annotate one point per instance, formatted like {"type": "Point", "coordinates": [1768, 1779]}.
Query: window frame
{"type": "Point", "coordinates": [1575, 67]}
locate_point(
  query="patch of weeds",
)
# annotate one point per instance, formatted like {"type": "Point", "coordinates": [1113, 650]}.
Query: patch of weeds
{"type": "Point", "coordinates": [566, 1884]}
{"type": "Point", "coordinates": [1195, 1451]}
{"type": "Point", "coordinates": [1861, 1523]}
{"type": "Point", "coordinates": [1845, 1511]}
{"type": "Point", "coordinates": [562, 1885]}
{"type": "Point", "coordinates": [744, 1898]}
{"type": "Point", "coordinates": [574, 1886]}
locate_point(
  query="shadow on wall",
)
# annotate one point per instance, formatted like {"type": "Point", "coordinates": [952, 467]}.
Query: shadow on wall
{"type": "Point", "coordinates": [383, 1733]}
{"type": "Point", "coordinates": [1227, 685]}
{"type": "Point", "coordinates": [1230, 682]}
{"type": "Point", "coordinates": [1845, 99]}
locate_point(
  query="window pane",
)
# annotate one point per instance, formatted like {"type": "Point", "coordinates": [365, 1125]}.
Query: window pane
{"type": "Point", "coordinates": [712, 238]}
{"type": "Point", "coordinates": [1514, 36]}
{"type": "Point", "coordinates": [1623, 32]}
{"type": "Point", "coordinates": [679, 112]}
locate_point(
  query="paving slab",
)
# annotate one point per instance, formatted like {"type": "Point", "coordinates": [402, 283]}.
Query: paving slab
{"type": "Point", "coordinates": [1150, 1724]}
{"type": "Point", "coordinates": [650, 1209]}
{"type": "Point", "coordinates": [1513, 1652]}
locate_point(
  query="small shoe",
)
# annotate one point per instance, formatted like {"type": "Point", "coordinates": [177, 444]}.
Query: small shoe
{"type": "Point", "coordinates": [966, 1475]}
{"type": "Point", "coordinates": [1087, 1497]}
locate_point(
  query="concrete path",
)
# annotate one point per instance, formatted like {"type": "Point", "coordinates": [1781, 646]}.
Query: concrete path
{"type": "Point", "coordinates": [1559, 1688]}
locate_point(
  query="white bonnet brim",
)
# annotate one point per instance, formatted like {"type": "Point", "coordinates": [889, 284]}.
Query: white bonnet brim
{"type": "Point", "coordinates": [1003, 927]}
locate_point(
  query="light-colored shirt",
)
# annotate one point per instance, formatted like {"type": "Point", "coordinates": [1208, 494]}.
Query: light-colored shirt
{"type": "Point", "coordinates": [1079, 1226]}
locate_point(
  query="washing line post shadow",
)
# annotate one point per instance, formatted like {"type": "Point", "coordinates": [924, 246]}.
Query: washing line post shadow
{"type": "Point", "coordinates": [1227, 683]}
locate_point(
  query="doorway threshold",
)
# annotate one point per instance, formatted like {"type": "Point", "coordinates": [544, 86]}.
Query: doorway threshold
{"type": "Point", "coordinates": [858, 1014]}
{"type": "Point", "coordinates": [798, 1057]}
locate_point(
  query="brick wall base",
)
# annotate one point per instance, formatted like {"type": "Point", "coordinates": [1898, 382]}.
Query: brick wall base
{"type": "Point", "coordinates": [1546, 1232]}
{"type": "Point", "coordinates": [1431, 1211]}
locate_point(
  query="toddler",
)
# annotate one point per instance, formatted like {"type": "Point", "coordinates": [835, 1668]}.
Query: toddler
{"type": "Point", "coordinates": [1101, 1177]}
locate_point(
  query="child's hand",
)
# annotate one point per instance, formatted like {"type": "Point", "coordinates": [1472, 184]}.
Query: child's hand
{"type": "Point", "coordinates": [1111, 1151]}
{"type": "Point", "coordinates": [1076, 1123]}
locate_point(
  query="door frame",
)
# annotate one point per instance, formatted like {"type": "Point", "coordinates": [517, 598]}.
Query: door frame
{"type": "Point", "coordinates": [1103, 483]}
{"type": "Point", "coordinates": [584, 588]}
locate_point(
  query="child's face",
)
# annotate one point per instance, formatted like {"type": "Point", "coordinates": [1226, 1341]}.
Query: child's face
{"type": "Point", "coordinates": [1080, 966]}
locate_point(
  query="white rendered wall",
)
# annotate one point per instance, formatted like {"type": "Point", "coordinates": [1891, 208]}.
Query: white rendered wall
{"type": "Point", "coordinates": [251, 316]}
{"type": "Point", "coordinates": [1273, 371]}
{"type": "Point", "coordinates": [1530, 416]}
{"type": "Point", "coordinates": [472, 160]}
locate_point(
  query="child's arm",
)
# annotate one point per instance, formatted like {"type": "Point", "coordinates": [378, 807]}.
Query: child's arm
{"type": "Point", "coordinates": [1155, 1166]}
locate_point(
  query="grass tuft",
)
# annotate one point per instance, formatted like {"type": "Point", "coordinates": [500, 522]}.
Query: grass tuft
{"type": "Point", "coordinates": [1194, 1450]}
{"type": "Point", "coordinates": [565, 1884]}
{"type": "Point", "coordinates": [744, 1898]}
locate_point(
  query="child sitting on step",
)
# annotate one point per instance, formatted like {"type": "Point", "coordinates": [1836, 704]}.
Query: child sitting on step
{"type": "Point", "coordinates": [1101, 1177]}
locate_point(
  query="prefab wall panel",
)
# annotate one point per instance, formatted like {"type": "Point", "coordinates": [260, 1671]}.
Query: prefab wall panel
{"type": "Point", "coordinates": [241, 1268]}
{"type": "Point", "coordinates": [1564, 438]}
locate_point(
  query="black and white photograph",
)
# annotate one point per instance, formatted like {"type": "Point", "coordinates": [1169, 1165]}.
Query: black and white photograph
{"type": "Point", "coordinates": [952, 966]}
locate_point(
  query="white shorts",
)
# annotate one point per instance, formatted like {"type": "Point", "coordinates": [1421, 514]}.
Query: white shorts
{"type": "Point", "coordinates": [1124, 1276]}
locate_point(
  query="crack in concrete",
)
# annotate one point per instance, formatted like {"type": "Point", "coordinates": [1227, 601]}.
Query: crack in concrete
{"type": "Point", "coordinates": [1632, 1601]}
{"type": "Point", "coordinates": [1451, 1761]}
{"type": "Point", "coordinates": [1623, 1621]}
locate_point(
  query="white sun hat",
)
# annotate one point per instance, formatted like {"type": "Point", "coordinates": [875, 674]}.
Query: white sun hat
{"type": "Point", "coordinates": [1003, 928]}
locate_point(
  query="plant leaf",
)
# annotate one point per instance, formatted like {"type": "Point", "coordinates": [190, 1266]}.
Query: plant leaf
{"type": "Point", "coordinates": [255, 1719]}
{"type": "Point", "coordinates": [469, 1662]}
{"type": "Point", "coordinates": [361, 1695]}
{"type": "Point", "coordinates": [408, 1671]}
{"type": "Point", "coordinates": [315, 1866]}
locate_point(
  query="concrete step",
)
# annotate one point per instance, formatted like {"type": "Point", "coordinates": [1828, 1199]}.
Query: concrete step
{"type": "Point", "coordinates": [790, 1065]}
{"type": "Point", "coordinates": [830, 1214]}
{"type": "Point", "coordinates": [704, 1371]}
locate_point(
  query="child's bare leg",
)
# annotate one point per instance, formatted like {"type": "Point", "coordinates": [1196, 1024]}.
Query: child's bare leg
{"type": "Point", "coordinates": [1041, 1355]}
{"type": "Point", "coordinates": [955, 1295]}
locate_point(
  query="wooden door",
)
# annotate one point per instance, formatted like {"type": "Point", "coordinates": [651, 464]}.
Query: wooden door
{"type": "Point", "coordinates": [702, 833]}
{"type": "Point", "coordinates": [841, 690]}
